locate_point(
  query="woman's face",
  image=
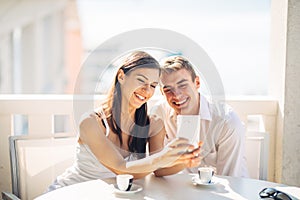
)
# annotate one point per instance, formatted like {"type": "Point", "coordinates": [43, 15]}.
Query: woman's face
{"type": "Point", "coordinates": [138, 86]}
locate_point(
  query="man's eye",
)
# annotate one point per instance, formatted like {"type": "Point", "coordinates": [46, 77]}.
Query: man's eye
{"type": "Point", "coordinates": [167, 90]}
{"type": "Point", "coordinates": [182, 86]}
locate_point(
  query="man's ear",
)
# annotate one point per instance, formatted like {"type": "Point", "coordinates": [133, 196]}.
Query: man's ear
{"type": "Point", "coordinates": [197, 82]}
{"type": "Point", "coordinates": [121, 76]}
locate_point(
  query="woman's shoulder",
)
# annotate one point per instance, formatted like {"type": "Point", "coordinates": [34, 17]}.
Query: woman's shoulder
{"type": "Point", "coordinates": [88, 118]}
{"type": "Point", "coordinates": [91, 116]}
{"type": "Point", "coordinates": [91, 123]}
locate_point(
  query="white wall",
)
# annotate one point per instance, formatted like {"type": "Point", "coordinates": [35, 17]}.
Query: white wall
{"type": "Point", "coordinates": [284, 86]}
{"type": "Point", "coordinates": [277, 72]}
{"type": "Point", "coordinates": [291, 139]}
{"type": "Point", "coordinates": [34, 60]}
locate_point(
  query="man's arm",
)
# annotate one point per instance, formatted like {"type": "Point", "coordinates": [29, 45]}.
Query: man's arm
{"type": "Point", "coordinates": [231, 147]}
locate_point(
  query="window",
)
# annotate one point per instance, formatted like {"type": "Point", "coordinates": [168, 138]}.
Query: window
{"type": "Point", "coordinates": [235, 34]}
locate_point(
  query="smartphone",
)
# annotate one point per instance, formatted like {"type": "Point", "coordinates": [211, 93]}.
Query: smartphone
{"type": "Point", "coordinates": [188, 126]}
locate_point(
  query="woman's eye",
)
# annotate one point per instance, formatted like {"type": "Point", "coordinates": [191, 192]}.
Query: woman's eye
{"type": "Point", "coordinates": [153, 85]}
{"type": "Point", "coordinates": [141, 81]}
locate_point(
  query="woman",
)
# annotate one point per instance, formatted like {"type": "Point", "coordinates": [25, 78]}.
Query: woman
{"type": "Point", "coordinates": [114, 138]}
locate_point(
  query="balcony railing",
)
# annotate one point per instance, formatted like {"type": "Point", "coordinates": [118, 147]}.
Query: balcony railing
{"type": "Point", "coordinates": [43, 115]}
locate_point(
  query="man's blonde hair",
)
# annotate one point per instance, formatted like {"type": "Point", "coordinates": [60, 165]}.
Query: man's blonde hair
{"type": "Point", "coordinates": [176, 63]}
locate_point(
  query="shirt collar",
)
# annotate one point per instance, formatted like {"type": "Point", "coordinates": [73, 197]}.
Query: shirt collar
{"type": "Point", "coordinates": [203, 109]}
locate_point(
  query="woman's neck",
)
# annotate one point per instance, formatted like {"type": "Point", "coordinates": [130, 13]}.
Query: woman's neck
{"type": "Point", "coordinates": [127, 110]}
{"type": "Point", "coordinates": [127, 117]}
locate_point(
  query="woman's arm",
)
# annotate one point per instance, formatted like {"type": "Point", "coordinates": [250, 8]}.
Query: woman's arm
{"type": "Point", "coordinates": [93, 134]}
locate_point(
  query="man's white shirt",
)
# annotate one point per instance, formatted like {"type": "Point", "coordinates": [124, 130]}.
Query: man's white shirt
{"type": "Point", "coordinates": [221, 131]}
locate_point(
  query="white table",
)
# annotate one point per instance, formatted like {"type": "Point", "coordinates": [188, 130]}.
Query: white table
{"type": "Point", "coordinates": [177, 186]}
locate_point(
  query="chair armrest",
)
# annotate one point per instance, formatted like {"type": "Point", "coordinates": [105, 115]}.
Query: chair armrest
{"type": "Point", "coordinates": [9, 196]}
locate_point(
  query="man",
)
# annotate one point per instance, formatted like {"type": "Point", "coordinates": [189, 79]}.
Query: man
{"type": "Point", "coordinates": [222, 133]}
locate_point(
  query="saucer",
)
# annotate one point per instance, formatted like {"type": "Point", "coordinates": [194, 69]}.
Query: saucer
{"type": "Point", "coordinates": [134, 189]}
{"type": "Point", "coordinates": [196, 180]}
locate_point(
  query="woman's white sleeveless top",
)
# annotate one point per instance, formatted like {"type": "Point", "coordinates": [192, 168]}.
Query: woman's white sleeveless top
{"type": "Point", "coordinates": [86, 166]}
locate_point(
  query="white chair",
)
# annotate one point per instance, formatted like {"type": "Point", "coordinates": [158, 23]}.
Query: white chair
{"type": "Point", "coordinates": [36, 162]}
{"type": "Point", "coordinates": [257, 154]}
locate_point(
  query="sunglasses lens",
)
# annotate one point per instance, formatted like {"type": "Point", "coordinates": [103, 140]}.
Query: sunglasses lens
{"type": "Point", "coordinates": [282, 196]}
{"type": "Point", "coordinates": [267, 192]}
{"type": "Point", "coordinates": [270, 191]}
{"type": "Point", "coordinates": [274, 194]}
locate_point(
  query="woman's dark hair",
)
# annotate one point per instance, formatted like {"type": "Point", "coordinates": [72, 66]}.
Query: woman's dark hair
{"type": "Point", "coordinates": [139, 133]}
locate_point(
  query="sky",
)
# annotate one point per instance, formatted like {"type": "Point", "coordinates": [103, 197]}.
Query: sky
{"type": "Point", "coordinates": [234, 33]}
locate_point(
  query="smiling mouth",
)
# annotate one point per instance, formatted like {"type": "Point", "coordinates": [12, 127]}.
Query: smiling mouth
{"type": "Point", "coordinates": [140, 97]}
{"type": "Point", "coordinates": [180, 103]}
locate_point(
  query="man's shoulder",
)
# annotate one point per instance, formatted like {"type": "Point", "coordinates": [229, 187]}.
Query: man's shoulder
{"type": "Point", "coordinates": [161, 108]}
{"type": "Point", "coordinates": [224, 112]}
{"type": "Point", "coordinates": [160, 104]}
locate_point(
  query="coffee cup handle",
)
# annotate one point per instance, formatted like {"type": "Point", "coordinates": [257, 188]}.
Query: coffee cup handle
{"type": "Point", "coordinates": [129, 185]}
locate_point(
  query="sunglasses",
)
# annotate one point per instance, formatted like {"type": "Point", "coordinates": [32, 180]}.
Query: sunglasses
{"type": "Point", "coordinates": [274, 194]}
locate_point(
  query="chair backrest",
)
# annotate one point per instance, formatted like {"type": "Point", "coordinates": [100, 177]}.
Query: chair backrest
{"type": "Point", "coordinates": [36, 162]}
{"type": "Point", "coordinates": [257, 154]}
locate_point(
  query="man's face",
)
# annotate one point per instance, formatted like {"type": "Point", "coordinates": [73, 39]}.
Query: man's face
{"type": "Point", "coordinates": [181, 91]}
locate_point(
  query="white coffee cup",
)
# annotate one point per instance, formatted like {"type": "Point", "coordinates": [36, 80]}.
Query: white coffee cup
{"type": "Point", "coordinates": [124, 181]}
{"type": "Point", "coordinates": [206, 174]}
{"type": "Point", "coordinates": [188, 126]}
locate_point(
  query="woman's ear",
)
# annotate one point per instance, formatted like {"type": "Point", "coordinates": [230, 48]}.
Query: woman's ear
{"type": "Point", "coordinates": [121, 76]}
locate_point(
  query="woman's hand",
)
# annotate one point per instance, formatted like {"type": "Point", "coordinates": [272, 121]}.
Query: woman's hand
{"type": "Point", "coordinates": [172, 152]}
{"type": "Point", "coordinates": [192, 157]}
{"type": "Point", "coordinates": [179, 151]}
